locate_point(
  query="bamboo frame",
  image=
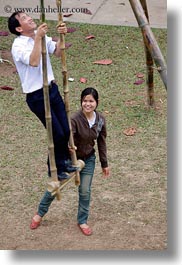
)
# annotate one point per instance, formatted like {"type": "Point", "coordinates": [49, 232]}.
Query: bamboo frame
{"type": "Point", "coordinates": [48, 117]}
{"type": "Point", "coordinates": [150, 40]}
{"type": "Point", "coordinates": [149, 63]}
{"type": "Point", "coordinates": [54, 188]}
{"type": "Point", "coordinates": [66, 94]}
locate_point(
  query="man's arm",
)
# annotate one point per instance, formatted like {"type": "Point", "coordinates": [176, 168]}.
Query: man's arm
{"type": "Point", "coordinates": [37, 49]}
{"type": "Point", "coordinates": [61, 29]}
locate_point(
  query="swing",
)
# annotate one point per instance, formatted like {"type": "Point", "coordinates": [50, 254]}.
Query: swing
{"type": "Point", "coordinates": [152, 50]}
{"type": "Point", "coordinates": [54, 185]}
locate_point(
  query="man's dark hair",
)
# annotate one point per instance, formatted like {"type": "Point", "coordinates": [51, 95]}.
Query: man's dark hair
{"type": "Point", "coordinates": [13, 23]}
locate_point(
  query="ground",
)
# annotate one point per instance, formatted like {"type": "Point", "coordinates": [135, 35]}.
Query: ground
{"type": "Point", "coordinates": [128, 210]}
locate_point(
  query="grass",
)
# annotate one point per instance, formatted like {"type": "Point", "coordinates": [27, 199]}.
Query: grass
{"type": "Point", "coordinates": [138, 163]}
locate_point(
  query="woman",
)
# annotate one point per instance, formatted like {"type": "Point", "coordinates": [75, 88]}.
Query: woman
{"type": "Point", "coordinates": [89, 126]}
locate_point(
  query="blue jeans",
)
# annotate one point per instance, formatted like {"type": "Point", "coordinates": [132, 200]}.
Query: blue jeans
{"type": "Point", "coordinates": [60, 126]}
{"type": "Point", "coordinates": [84, 190]}
{"type": "Point", "coordinates": [86, 176]}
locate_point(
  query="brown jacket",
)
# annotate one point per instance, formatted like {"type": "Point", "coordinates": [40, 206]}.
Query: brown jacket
{"type": "Point", "coordinates": [85, 137]}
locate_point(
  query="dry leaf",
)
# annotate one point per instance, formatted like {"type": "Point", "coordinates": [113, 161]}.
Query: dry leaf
{"type": "Point", "coordinates": [139, 82]}
{"type": "Point", "coordinates": [140, 75]}
{"type": "Point", "coordinates": [83, 80]}
{"type": "Point", "coordinates": [67, 15]}
{"type": "Point", "coordinates": [67, 45]}
{"type": "Point", "coordinates": [71, 30]}
{"type": "Point", "coordinates": [6, 88]}
{"type": "Point", "coordinates": [90, 37]}
{"type": "Point", "coordinates": [4, 33]}
{"type": "Point", "coordinates": [104, 61]}
{"type": "Point", "coordinates": [129, 131]}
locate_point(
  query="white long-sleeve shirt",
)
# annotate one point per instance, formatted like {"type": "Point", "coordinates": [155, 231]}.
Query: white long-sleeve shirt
{"type": "Point", "coordinates": [31, 77]}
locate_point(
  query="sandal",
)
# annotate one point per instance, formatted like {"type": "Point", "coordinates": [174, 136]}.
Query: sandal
{"type": "Point", "coordinates": [34, 224]}
{"type": "Point", "coordinates": [86, 231]}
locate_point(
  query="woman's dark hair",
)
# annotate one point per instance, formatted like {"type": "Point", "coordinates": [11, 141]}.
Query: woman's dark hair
{"type": "Point", "coordinates": [13, 23]}
{"type": "Point", "coordinates": [90, 91]}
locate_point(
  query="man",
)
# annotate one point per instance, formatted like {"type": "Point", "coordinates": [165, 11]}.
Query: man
{"type": "Point", "coordinates": [27, 56]}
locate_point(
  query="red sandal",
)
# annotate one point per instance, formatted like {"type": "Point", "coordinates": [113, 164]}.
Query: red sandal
{"type": "Point", "coordinates": [34, 224]}
{"type": "Point", "coordinates": [86, 231]}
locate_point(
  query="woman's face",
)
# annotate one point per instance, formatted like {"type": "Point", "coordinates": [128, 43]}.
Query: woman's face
{"type": "Point", "coordinates": [89, 104]}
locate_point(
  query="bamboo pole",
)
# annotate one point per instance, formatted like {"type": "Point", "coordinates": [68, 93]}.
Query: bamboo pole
{"type": "Point", "coordinates": [66, 95]}
{"type": "Point", "coordinates": [53, 188]}
{"type": "Point", "coordinates": [149, 63]}
{"type": "Point", "coordinates": [48, 117]}
{"type": "Point", "coordinates": [150, 40]}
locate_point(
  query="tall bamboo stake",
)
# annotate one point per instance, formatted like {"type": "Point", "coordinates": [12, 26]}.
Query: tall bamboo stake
{"type": "Point", "coordinates": [66, 93]}
{"type": "Point", "coordinates": [149, 63]}
{"type": "Point", "coordinates": [150, 40]}
{"type": "Point", "coordinates": [48, 117]}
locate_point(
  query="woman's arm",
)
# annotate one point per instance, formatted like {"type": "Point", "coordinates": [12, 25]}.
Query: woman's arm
{"type": "Point", "coordinates": [106, 172]}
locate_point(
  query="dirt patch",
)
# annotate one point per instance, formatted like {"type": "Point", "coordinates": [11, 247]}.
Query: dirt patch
{"type": "Point", "coordinates": [7, 66]}
{"type": "Point", "coordinates": [129, 210]}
